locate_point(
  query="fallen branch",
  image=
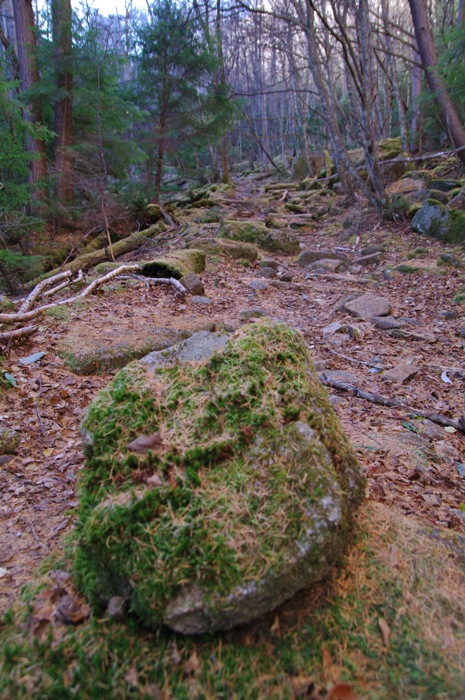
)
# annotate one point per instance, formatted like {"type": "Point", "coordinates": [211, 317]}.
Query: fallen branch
{"type": "Point", "coordinates": [63, 285]}
{"type": "Point", "coordinates": [437, 418]}
{"type": "Point", "coordinates": [21, 317]}
{"type": "Point", "coordinates": [38, 290]}
{"type": "Point", "coordinates": [18, 333]}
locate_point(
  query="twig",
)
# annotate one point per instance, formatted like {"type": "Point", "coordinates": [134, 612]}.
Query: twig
{"type": "Point", "coordinates": [393, 403]}
{"type": "Point", "coordinates": [352, 359]}
{"type": "Point", "coordinates": [37, 406]}
{"type": "Point", "coordinates": [37, 538]}
{"type": "Point", "coordinates": [51, 292]}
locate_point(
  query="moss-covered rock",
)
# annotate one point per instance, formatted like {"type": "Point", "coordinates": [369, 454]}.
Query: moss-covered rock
{"type": "Point", "coordinates": [214, 490]}
{"type": "Point", "coordinates": [6, 304]}
{"type": "Point", "coordinates": [9, 440]}
{"type": "Point", "coordinates": [222, 246]}
{"type": "Point", "coordinates": [435, 220]}
{"type": "Point", "coordinates": [176, 264]}
{"type": "Point", "coordinates": [275, 240]}
{"type": "Point", "coordinates": [154, 212]}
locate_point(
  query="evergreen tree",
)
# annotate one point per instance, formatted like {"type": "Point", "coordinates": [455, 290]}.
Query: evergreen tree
{"type": "Point", "coordinates": [176, 70]}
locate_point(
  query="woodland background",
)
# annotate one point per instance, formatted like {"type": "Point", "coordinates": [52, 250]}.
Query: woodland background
{"type": "Point", "coordinates": [101, 115]}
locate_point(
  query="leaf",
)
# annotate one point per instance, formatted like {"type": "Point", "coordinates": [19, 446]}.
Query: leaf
{"type": "Point", "coordinates": [31, 358]}
{"type": "Point", "coordinates": [192, 664]}
{"type": "Point", "coordinates": [341, 691]}
{"type": "Point", "coordinates": [385, 631]}
{"type": "Point", "coordinates": [10, 379]}
{"type": "Point", "coordinates": [445, 378]}
{"type": "Point", "coordinates": [143, 444]}
{"type": "Point", "coordinates": [450, 429]}
{"type": "Point", "coordinates": [132, 677]}
{"type": "Point", "coordinates": [409, 426]}
{"type": "Point", "coordinates": [3, 572]}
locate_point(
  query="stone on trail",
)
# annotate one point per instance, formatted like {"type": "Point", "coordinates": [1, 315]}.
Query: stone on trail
{"type": "Point", "coordinates": [326, 265]}
{"type": "Point", "coordinates": [307, 257]}
{"type": "Point", "coordinates": [248, 497]}
{"type": "Point", "coordinates": [233, 249]}
{"type": "Point", "coordinates": [193, 284]}
{"type": "Point", "coordinates": [400, 374]}
{"type": "Point", "coordinates": [368, 306]}
{"type": "Point", "coordinates": [267, 273]}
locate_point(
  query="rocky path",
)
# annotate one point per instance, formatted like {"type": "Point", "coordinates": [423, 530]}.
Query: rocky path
{"type": "Point", "coordinates": [413, 352]}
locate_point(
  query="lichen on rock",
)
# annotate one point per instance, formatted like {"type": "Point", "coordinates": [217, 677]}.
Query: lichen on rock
{"type": "Point", "coordinates": [246, 497]}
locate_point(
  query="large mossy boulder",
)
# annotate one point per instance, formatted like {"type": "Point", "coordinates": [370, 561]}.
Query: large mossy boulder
{"type": "Point", "coordinates": [274, 240]}
{"type": "Point", "coordinates": [176, 264]}
{"type": "Point", "coordinates": [436, 220]}
{"type": "Point", "coordinates": [232, 249]}
{"type": "Point", "coordinates": [218, 481]}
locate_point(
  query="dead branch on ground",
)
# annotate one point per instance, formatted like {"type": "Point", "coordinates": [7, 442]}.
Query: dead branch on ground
{"type": "Point", "coordinates": [437, 418]}
{"type": "Point", "coordinates": [26, 312]}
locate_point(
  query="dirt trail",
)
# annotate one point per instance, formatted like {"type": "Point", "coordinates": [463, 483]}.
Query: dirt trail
{"type": "Point", "coordinates": [410, 464]}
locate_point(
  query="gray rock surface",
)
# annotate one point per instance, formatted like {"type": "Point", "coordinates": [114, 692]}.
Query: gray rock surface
{"type": "Point", "coordinates": [400, 374]}
{"type": "Point", "coordinates": [368, 306]}
{"type": "Point", "coordinates": [267, 273]}
{"type": "Point", "coordinates": [435, 220]}
{"type": "Point", "coordinates": [307, 257]}
{"type": "Point", "coordinates": [193, 284]}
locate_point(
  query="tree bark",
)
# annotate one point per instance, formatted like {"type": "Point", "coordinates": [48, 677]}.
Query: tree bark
{"type": "Point", "coordinates": [29, 74]}
{"type": "Point", "coordinates": [424, 36]}
{"type": "Point", "coordinates": [61, 28]}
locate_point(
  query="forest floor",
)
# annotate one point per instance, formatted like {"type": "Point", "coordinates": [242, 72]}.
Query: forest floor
{"type": "Point", "coordinates": [413, 467]}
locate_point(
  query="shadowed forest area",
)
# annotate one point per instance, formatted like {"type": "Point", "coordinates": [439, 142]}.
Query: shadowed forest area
{"type": "Point", "coordinates": [103, 115]}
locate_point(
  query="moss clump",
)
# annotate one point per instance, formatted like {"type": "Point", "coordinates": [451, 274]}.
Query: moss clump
{"type": "Point", "coordinates": [417, 253]}
{"type": "Point", "coordinates": [459, 298]}
{"type": "Point", "coordinates": [225, 425]}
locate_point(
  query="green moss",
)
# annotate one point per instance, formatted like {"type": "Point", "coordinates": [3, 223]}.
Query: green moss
{"type": "Point", "coordinates": [218, 421]}
{"type": "Point", "coordinates": [417, 253]}
{"type": "Point", "coordinates": [176, 264]}
{"type": "Point", "coordinates": [340, 632]}
{"type": "Point", "coordinates": [459, 298]}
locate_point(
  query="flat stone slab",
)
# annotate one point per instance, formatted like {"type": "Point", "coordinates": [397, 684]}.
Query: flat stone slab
{"type": "Point", "coordinates": [368, 306]}
{"type": "Point", "coordinates": [400, 374]}
{"type": "Point", "coordinates": [218, 481]}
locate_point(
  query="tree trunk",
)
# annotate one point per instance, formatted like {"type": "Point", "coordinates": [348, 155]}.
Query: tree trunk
{"type": "Point", "coordinates": [29, 73]}
{"type": "Point", "coordinates": [424, 36]}
{"type": "Point", "coordinates": [61, 26]}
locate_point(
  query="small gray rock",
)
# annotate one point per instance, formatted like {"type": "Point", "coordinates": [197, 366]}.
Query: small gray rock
{"type": "Point", "coordinates": [195, 349]}
{"type": "Point", "coordinates": [372, 259]}
{"type": "Point", "coordinates": [116, 608]}
{"type": "Point", "coordinates": [269, 262]}
{"type": "Point", "coordinates": [286, 277]}
{"type": "Point", "coordinates": [451, 260]}
{"type": "Point", "coordinates": [368, 306]}
{"type": "Point", "coordinates": [267, 272]}
{"type": "Point", "coordinates": [255, 312]}
{"type": "Point", "coordinates": [372, 249]}
{"type": "Point", "coordinates": [400, 374]}
{"type": "Point", "coordinates": [462, 332]}
{"type": "Point", "coordinates": [201, 300]}
{"type": "Point", "coordinates": [386, 323]}
{"type": "Point", "coordinates": [327, 265]}
{"type": "Point", "coordinates": [307, 257]}
{"type": "Point", "coordinates": [258, 286]}
{"type": "Point", "coordinates": [340, 375]}
{"type": "Point", "coordinates": [193, 284]}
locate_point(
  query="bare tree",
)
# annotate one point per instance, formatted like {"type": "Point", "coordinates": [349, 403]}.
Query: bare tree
{"type": "Point", "coordinates": [449, 117]}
